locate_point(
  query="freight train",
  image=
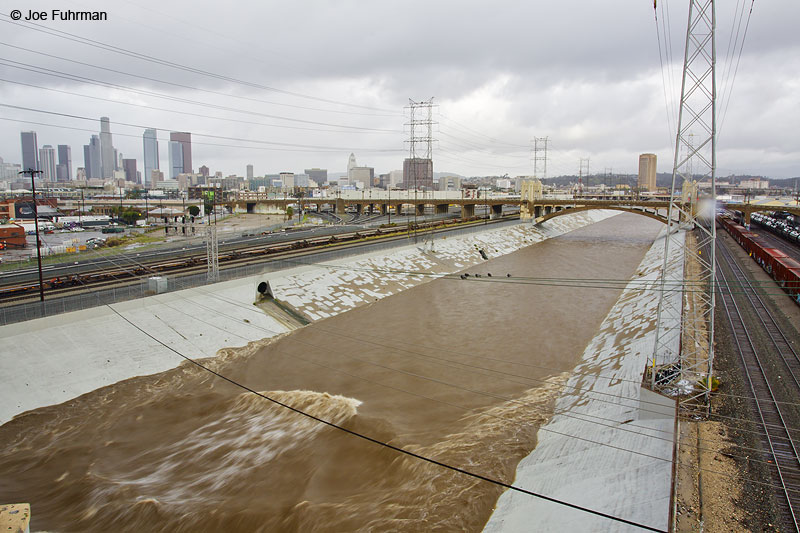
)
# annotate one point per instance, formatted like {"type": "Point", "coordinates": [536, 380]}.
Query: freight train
{"type": "Point", "coordinates": [783, 269]}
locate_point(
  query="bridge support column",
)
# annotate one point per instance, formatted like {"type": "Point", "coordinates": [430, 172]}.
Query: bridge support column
{"type": "Point", "coordinates": [420, 209]}
{"type": "Point", "coordinates": [384, 209]}
{"type": "Point", "coordinates": [398, 210]}
{"type": "Point", "coordinates": [746, 212]}
{"type": "Point", "coordinates": [441, 209]}
{"type": "Point", "coordinates": [537, 211]}
{"type": "Point", "coordinates": [338, 207]}
{"type": "Point", "coordinates": [359, 208]}
{"type": "Point", "coordinates": [468, 211]}
{"type": "Point", "coordinates": [497, 212]}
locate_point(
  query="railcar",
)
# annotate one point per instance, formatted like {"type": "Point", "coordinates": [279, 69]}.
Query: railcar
{"type": "Point", "coordinates": [783, 269]}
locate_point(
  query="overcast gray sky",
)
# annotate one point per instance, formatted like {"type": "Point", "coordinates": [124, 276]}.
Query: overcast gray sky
{"type": "Point", "coordinates": [585, 74]}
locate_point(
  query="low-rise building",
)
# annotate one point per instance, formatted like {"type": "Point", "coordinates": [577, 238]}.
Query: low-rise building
{"type": "Point", "coordinates": [12, 235]}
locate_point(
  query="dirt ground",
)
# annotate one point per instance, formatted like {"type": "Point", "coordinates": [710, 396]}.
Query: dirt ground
{"type": "Point", "coordinates": [720, 477]}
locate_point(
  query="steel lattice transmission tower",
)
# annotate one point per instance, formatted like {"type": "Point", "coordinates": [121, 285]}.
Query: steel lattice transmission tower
{"type": "Point", "coordinates": [684, 350]}
{"type": "Point", "coordinates": [212, 254]}
{"type": "Point", "coordinates": [420, 134]}
{"type": "Point", "coordinates": [540, 147]}
{"type": "Point", "coordinates": [584, 171]}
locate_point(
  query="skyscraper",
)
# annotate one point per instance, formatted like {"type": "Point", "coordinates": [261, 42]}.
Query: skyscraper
{"type": "Point", "coordinates": [30, 150]}
{"type": "Point", "coordinates": [418, 173]}
{"type": "Point", "coordinates": [150, 138]}
{"type": "Point", "coordinates": [64, 168]}
{"type": "Point", "coordinates": [185, 138]}
{"type": "Point", "coordinates": [647, 172]}
{"type": "Point", "coordinates": [129, 166]}
{"type": "Point", "coordinates": [92, 158]}
{"type": "Point", "coordinates": [249, 172]}
{"type": "Point", "coordinates": [175, 159]}
{"type": "Point", "coordinates": [47, 159]}
{"type": "Point", "coordinates": [319, 175]}
{"type": "Point", "coordinates": [107, 163]}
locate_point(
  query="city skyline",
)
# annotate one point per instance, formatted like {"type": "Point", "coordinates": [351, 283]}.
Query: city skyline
{"type": "Point", "coordinates": [604, 97]}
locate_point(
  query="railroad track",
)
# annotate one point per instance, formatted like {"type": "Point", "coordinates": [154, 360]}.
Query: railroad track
{"type": "Point", "coordinates": [778, 440]}
{"type": "Point", "coordinates": [128, 271]}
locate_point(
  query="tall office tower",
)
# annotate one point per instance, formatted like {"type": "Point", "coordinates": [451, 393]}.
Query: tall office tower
{"type": "Point", "coordinates": [417, 173]}
{"type": "Point", "coordinates": [249, 172]}
{"type": "Point", "coordinates": [185, 139]}
{"type": "Point", "coordinates": [30, 150]}
{"type": "Point", "coordinates": [107, 162]}
{"type": "Point", "coordinates": [47, 159]}
{"type": "Point", "coordinates": [150, 139]}
{"type": "Point", "coordinates": [129, 166]}
{"type": "Point", "coordinates": [175, 159]}
{"type": "Point", "coordinates": [64, 168]}
{"type": "Point", "coordinates": [204, 171]}
{"type": "Point", "coordinates": [351, 164]}
{"type": "Point", "coordinates": [647, 172]}
{"type": "Point", "coordinates": [92, 158]}
{"type": "Point", "coordinates": [319, 175]}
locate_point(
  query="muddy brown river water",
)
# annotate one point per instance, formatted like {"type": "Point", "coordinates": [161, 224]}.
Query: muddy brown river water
{"type": "Point", "coordinates": [461, 371]}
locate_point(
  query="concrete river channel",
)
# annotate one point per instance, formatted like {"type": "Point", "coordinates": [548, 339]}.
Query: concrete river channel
{"type": "Point", "coordinates": [463, 370]}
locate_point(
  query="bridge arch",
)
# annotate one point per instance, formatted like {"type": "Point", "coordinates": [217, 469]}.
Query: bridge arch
{"type": "Point", "coordinates": [568, 210]}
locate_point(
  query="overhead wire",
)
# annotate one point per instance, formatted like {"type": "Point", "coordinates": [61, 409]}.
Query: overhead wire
{"type": "Point", "coordinates": [562, 412]}
{"type": "Point", "coordinates": [190, 114]}
{"type": "Point", "coordinates": [152, 59]}
{"type": "Point", "coordinates": [194, 133]}
{"type": "Point", "coordinates": [197, 89]}
{"type": "Point", "coordinates": [638, 401]}
{"type": "Point", "coordinates": [381, 443]}
{"type": "Point", "coordinates": [726, 100]}
{"type": "Point", "coordinates": [200, 143]}
{"type": "Point", "coordinates": [59, 74]}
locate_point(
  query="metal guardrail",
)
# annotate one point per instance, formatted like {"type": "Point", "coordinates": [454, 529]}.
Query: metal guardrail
{"type": "Point", "coordinates": [66, 304]}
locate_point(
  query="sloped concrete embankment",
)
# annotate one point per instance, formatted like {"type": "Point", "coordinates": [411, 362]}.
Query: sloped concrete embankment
{"type": "Point", "coordinates": [51, 360]}
{"type": "Point", "coordinates": [609, 446]}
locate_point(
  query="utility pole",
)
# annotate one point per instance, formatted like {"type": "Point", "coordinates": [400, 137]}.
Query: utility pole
{"type": "Point", "coordinates": [212, 254]}
{"type": "Point", "coordinates": [684, 347]}
{"type": "Point", "coordinates": [31, 172]}
{"type": "Point", "coordinates": [420, 133]}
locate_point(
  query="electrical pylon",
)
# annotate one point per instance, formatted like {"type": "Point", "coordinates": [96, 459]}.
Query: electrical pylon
{"type": "Point", "coordinates": [683, 357]}
{"type": "Point", "coordinates": [420, 133]}
{"type": "Point", "coordinates": [540, 156]}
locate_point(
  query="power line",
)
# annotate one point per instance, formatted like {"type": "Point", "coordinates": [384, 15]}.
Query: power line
{"type": "Point", "coordinates": [240, 146]}
{"type": "Point", "coordinates": [144, 57]}
{"type": "Point", "coordinates": [350, 129]}
{"type": "Point", "coordinates": [386, 444]}
{"type": "Point", "coordinates": [587, 418]}
{"type": "Point", "coordinates": [255, 141]}
{"type": "Point", "coordinates": [91, 81]}
{"type": "Point", "coordinates": [193, 88]}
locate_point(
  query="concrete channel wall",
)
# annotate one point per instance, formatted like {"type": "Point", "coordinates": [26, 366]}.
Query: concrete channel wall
{"type": "Point", "coordinates": [50, 360]}
{"type": "Point", "coordinates": [609, 447]}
